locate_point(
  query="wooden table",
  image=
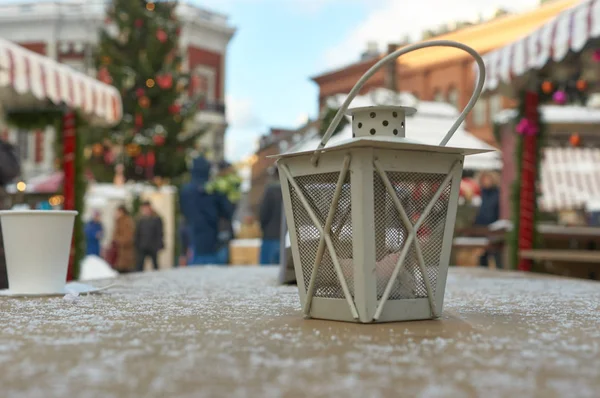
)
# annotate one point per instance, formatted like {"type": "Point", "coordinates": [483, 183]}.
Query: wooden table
{"type": "Point", "coordinates": [233, 332]}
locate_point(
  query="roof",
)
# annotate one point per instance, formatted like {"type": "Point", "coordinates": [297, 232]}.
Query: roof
{"type": "Point", "coordinates": [567, 33]}
{"type": "Point", "coordinates": [428, 126]}
{"type": "Point", "coordinates": [489, 35]}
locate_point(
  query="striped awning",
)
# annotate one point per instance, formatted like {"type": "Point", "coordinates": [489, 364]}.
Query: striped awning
{"type": "Point", "coordinates": [570, 178]}
{"type": "Point", "coordinates": [568, 32]}
{"type": "Point", "coordinates": [28, 79]}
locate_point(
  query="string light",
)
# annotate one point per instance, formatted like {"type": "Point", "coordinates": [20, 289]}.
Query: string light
{"type": "Point", "coordinates": [150, 83]}
{"type": "Point", "coordinates": [150, 6]}
{"type": "Point", "coordinates": [21, 186]}
{"type": "Point", "coordinates": [547, 87]}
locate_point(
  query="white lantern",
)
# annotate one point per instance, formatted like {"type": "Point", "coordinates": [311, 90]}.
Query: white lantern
{"type": "Point", "coordinates": [371, 219]}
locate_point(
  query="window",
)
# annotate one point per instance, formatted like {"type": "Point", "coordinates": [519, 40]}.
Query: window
{"type": "Point", "coordinates": [453, 97]}
{"type": "Point", "coordinates": [480, 113]}
{"type": "Point", "coordinates": [438, 96]}
{"type": "Point", "coordinates": [23, 143]}
{"type": "Point", "coordinates": [204, 81]}
{"type": "Point", "coordinates": [495, 106]}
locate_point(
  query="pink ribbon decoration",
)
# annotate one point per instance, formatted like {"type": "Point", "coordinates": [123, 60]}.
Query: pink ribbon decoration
{"type": "Point", "coordinates": [527, 127]}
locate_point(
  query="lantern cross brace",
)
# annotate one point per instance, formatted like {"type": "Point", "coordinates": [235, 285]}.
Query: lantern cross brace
{"type": "Point", "coordinates": [325, 238]}
{"type": "Point", "coordinates": [411, 239]}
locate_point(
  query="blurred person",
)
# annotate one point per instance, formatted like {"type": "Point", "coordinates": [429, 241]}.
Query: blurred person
{"type": "Point", "coordinates": [10, 169]}
{"type": "Point", "coordinates": [184, 240]}
{"type": "Point", "coordinates": [93, 234]}
{"type": "Point", "coordinates": [203, 209]}
{"type": "Point", "coordinates": [148, 236]}
{"type": "Point", "coordinates": [270, 220]}
{"type": "Point", "coordinates": [123, 238]}
{"type": "Point", "coordinates": [489, 212]}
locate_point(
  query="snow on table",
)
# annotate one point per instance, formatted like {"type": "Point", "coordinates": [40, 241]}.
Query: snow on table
{"type": "Point", "coordinates": [233, 332]}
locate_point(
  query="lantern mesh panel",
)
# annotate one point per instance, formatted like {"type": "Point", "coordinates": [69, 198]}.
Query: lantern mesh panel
{"type": "Point", "coordinates": [415, 191]}
{"type": "Point", "coordinates": [319, 190]}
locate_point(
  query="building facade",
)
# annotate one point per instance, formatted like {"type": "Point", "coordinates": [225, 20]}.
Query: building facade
{"type": "Point", "coordinates": [446, 74]}
{"type": "Point", "coordinates": [68, 33]}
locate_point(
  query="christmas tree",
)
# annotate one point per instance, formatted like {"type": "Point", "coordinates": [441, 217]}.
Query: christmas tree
{"type": "Point", "coordinates": [139, 54]}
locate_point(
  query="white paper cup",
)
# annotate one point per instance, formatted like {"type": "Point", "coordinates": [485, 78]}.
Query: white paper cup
{"type": "Point", "coordinates": [37, 244]}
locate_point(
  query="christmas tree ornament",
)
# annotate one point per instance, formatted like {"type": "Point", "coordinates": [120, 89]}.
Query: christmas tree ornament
{"type": "Point", "coordinates": [139, 23]}
{"type": "Point", "coordinates": [128, 81]}
{"type": "Point", "coordinates": [596, 55]}
{"type": "Point", "coordinates": [159, 140]}
{"type": "Point", "coordinates": [547, 87]}
{"type": "Point", "coordinates": [165, 81]}
{"type": "Point", "coordinates": [133, 150]}
{"type": "Point", "coordinates": [575, 140]}
{"type": "Point", "coordinates": [123, 37]}
{"type": "Point", "coordinates": [150, 83]}
{"type": "Point", "coordinates": [174, 109]}
{"type": "Point", "coordinates": [161, 36]}
{"type": "Point", "coordinates": [106, 60]}
{"type": "Point", "coordinates": [97, 150]}
{"type": "Point", "coordinates": [139, 92]}
{"type": "Point", "coordinates": [139, 120]}
{"type": "Point", "coordinates": [581, 85]}
{"type": "Point", "coordinates": [560, 97]}
{"type": "Point", "coordinates": [150, 6]}
{"type": "Point", "coordinates": [123, 16]}
{"type": "Point", "coordinates": [144, 102]}
{"type": "Point", "coordinates": [180, 86]}
{"type": "Point", "coordinates": [87, 152]}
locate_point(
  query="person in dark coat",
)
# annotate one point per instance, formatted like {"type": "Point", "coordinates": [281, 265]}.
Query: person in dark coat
{"type": "Point", "coordinates": [270, 221]}
{"type": "Point", "coordinates": [148, 237]}
{"type": "Point", "coordinates": [93, 234]}
{"type": "Point", "coordinates": [10, 168]}
{"type": "Point", "coordinates": [489, 212]}
{"type": "Point", "coordinates": [203, 211]}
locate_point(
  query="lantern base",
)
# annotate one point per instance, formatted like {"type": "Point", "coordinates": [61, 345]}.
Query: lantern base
{"type": "Point", "coordinates": [394, 310]}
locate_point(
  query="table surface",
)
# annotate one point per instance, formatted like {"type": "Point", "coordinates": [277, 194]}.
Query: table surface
{"type": "Point", "coordinates": [233, 332]}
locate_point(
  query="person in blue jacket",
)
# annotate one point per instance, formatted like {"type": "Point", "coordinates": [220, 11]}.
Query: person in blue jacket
{"type": "Point", "coordinates": [202, 211]}
{"type": "Point", "coordinates": [489, 213]}
{"type": "Point", "coordinates": [93, 234]}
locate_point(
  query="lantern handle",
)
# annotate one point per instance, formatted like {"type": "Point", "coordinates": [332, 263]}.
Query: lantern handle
{"type": "Point", "coordinates": [392, 56]}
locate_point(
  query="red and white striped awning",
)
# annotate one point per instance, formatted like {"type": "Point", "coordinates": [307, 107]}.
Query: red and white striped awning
{"type": "Point", "coordinates": [568, 32]}
{"type": "Point", "coordinates": [570, 178]}
{"type": "Point", "coordinates": [28, 79]}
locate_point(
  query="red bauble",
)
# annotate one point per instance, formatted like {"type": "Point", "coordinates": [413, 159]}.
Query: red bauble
{"type": "Point", "coordinates": [140, 92]}
{"type": "Point", "coordinates": [150, 159]}
{"type": "Point", "coordinates": [159, 140]}
{"type": "Point", "coordinates": [139, 23]}
{"type": "Point", "coordinates": [140, 161]}
{"type": "Point", "coordinates": [161, 35]}
{"type": "Point", "coordinates": [174, 109]}
{"type": "Point", "coordinates": [139, 120]}
{"type": "Point", "coordinates": [164, 81]}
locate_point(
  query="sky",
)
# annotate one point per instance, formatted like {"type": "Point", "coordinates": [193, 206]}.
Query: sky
{"type": "Point", "coordinates": [280, 44]}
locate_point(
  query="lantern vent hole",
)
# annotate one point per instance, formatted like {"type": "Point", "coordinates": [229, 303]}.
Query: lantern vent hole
{"type": "Point", "coordinates": [385, 123]}
{"type": "Point", "coordinates": [373, 115]}
{"type": "Point", "coordinates": [359, 125]}
{"type": "Point", "coordinates": [373, 131]}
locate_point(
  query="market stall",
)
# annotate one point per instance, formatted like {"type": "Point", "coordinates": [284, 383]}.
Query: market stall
{"type": "Point", "coordinates": [36, 91]}
{"type": "Point", "coordinates": [558, 64]}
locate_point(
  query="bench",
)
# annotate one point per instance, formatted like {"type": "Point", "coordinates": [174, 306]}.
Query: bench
{"type": "Point", "coordinates": [576, 256]}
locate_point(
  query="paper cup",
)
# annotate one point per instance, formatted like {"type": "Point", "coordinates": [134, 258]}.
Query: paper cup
{"type": "Point", "coordinates": [37, 244]}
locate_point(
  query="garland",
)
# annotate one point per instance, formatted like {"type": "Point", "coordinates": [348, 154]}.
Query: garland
{"type": "Point", "coordinates": [530, 128]}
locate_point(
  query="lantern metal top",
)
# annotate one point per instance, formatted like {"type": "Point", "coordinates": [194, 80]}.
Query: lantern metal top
{"type": "Point", "coordinates": [384, 127]}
